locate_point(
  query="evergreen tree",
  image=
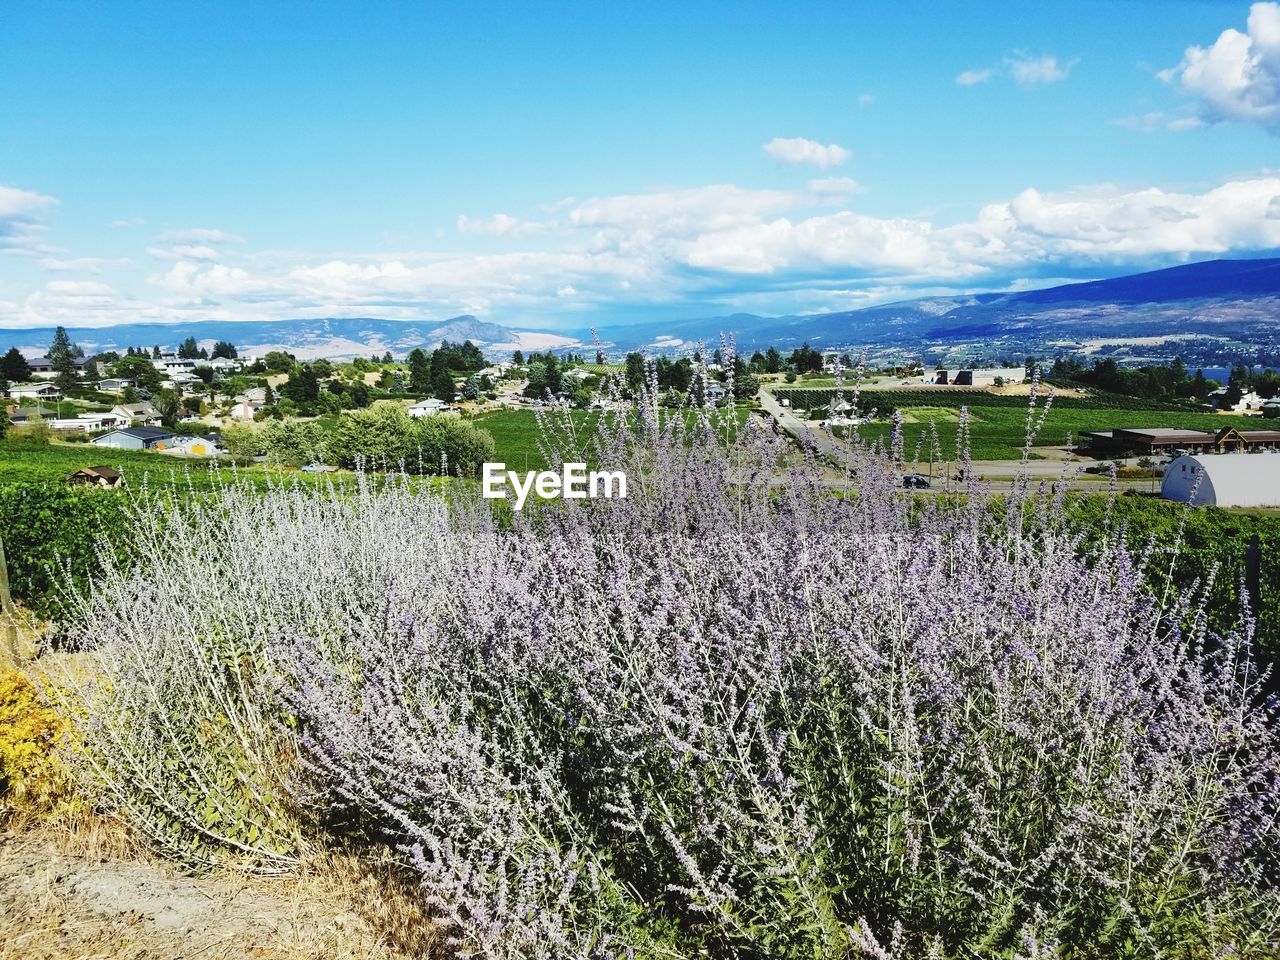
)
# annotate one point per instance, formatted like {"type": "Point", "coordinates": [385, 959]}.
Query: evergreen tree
{"type": "Point", "coordinates": [63, 359]}
{"type": "Point", "coordinates": [419, 371]}
{"type": "Point", "coordinates": [517, 358]}
{"type": "Point", "coordinates": [188, 349]}
{"type": "Point", "coordinates": [442, 387]}
{"type": "Point", "coordinates": [224, 350]}
{"type": "Point", "coordinates": [14, 366]}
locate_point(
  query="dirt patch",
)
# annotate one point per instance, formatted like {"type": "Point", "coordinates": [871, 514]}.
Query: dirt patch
{"type": "Point", "coordinates": [58, 904]}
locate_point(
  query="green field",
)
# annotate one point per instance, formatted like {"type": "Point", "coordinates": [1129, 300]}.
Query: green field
{"type": "Point", "coordinates": [515, 435]}
{"type": "Point", "coordinates": [55, 463]}
{"type": "Point", "coordinates": [998, 433]}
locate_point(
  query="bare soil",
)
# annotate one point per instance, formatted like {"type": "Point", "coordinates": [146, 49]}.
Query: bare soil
{"type": "Point", "coordinates": [60, 899]}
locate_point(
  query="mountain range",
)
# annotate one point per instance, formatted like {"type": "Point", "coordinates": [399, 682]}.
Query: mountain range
{"type": "Point", "coordinates": [1230, 299]}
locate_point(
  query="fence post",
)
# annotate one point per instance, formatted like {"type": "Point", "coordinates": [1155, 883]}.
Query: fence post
{"type": "Point", "coordinates": [9, 617]}
{"type": "Point", "coordinates": [1253, 572]}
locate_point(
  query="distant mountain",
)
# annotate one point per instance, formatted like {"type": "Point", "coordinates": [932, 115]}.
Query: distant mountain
{"type": "Point", "coordinates": [1239, 299]}
{"type": "Point", "coordinates": [330, 337]}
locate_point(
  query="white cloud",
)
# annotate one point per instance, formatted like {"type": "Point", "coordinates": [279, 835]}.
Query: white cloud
{"type": "Point", "coordinates": [184, 251]}
{"type": "Point", "coordinates": [971, 78]}
{"type": "Point", "coordinates": [722, 243]}
{"type": "Point", "coordinates": [1037, 71]}
{"type": "Point", "coordinates": [1024, 70]}
{"type": "Point", "coordinates": [498, 225]}
{"type": "Point", "coordinates": [20, 228]}
{"type": "Point", "coordinates": [94, 265]}
{"type": "Point", "coordinates": [866, 99]}
{"type": "Point", "coordinates": [132, 222]}
{"type": "Point", "coordinates": [798, 150]}
{"type": "Point", "coordinates": [1158, 120]}
{"type": "Point", "coordinates": [198, 235]}
{"type": "Point", "coordinates": [1238, 78]}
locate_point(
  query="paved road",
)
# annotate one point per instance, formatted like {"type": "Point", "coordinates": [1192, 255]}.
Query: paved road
{"type": "Point", "coordinates": [999, 474]}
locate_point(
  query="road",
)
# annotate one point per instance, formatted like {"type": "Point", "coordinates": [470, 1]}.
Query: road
{"type": "Point", "coordinates": [1000, 474]}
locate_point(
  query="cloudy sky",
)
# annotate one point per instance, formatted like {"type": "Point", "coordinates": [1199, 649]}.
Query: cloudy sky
{"type": "Point", "coordinates": [561, 165]}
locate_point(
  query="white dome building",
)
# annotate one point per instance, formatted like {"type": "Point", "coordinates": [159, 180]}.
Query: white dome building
{"type": "Point", "coordinates": [1224, 480]}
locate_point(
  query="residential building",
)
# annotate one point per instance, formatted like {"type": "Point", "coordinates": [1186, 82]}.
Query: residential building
{"type": "Point", "coordinates": [116, 384]}
{"type": "Point", "coordinates": [89, 423]}
{"type": "Point", "coordinates": [34, 391]}
{"type": "Point", "coordinates": [106, 477]}
{"type": "Point", "coordinates": [430, 407]}
{"type": "Point", "coordinates": [136, 438]}
{"type": "Point", "coordinates": [1248, 401]}
{"type": "Point", "coordinates": [1231, 480]}
{"type": "Point", "coordinates": [42, 367]}
{"type": "Point", "coordinates": [142, 412]}
{"type": "Point", "coordinates": [243, 407]}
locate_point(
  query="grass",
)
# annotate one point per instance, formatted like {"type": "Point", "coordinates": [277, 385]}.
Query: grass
{"type": "Point", "coordinates": [998, 432]}
{"type": "Point", "coordinates": [515, 434]}
{"type": "Point", "coordinates": [20, 464]}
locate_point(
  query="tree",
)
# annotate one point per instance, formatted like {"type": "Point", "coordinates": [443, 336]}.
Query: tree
{"type": "Point", "coordinates": [14, 366]}
{"type": "Point", "coordinates": [442, 387]}
{"type": "Point", "coordinates": [188, 349]}
{"type": "Point", "coordinates": [241, 441]}
{"type": "Point", "coordinates": [63, 359]}
{"type": "Point", "coordinates": [140, 369]}
{"type": "Point", "coordinates": [278, 361]}
{"type": "Point", "coordinates": [635, 371]}
{"type": "Point", "coordinates": [419, 371]}
{"type": "Point", "coordinates": [155, 352]}
{"type": "Point", "coordinates": [4, 423]}
{"type": "Point", "coordinates": [295, 443]}
{"type": "Point", "coordinates": [224, 350]}
{"type": "Point", "coordinates": [517, 357]}
{"type": "Point", "coordinates": [302, 387]}
{"type": "Point", "coordinates": [386, 357]}
{"type": "Point", "coordinates": [168, 404]}
{"type": "Point", "coordinates": [1199, 386]}
{"type": "Point", "coordinates": [772, 360]}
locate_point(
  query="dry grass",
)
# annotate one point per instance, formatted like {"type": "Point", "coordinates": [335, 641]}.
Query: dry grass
{"type": "Point", "coordinates": [89, 890]}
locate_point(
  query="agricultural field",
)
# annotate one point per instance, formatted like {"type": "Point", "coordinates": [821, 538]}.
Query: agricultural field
{"type": "Point", "coordinates": [56, 462]}
{"type": "Point", "coordinates": [998, 423]}
{"type": "Point", "coordinates": [515, 434]}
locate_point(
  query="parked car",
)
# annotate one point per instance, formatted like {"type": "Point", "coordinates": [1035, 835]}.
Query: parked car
{"type": "Point", "coordinates": [916, 481]}
{"type": "Point", "coordinates": [318, 468]}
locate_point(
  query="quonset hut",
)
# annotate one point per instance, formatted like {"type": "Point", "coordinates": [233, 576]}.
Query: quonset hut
{"type": "Point", "coordinates": [1224, 480]}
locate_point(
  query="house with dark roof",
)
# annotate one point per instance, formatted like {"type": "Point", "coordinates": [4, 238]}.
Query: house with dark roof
{"type": "Point", "coordinates": [105, 477]}
{"type": "Point", "coordinates": [136, 438]}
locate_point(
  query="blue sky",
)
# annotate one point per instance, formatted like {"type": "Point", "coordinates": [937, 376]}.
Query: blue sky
{"type": "Point", "coordinates": [557, 165]}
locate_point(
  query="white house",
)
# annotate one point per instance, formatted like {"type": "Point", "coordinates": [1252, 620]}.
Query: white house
{"type": "Point", "coordinates": [430, 407]}
{"type": "Point", "coordinates": [172, 364]}
{"type": "Point", "coordinates": [34, 391]}
{"type": "Point", "coordinates": [143, 412]}
{"type": "Point", "coordinates": [115, 384]}
{"type": "Point", "coordinates": [243, 407]}
{"type": "Point", "coordinates": [1247, 401]}
{"type": "Point", "coordinates": [1224, 480]}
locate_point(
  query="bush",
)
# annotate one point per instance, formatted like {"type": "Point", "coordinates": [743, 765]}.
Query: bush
{"type": "Point", "coordinates": [53, 537]}
{"type": "Point", "coordinates": [29, 731]}
{"type": "Point", "coordinates": [386, 437]}
{"type": "Point", "coordinates": [714, 718]}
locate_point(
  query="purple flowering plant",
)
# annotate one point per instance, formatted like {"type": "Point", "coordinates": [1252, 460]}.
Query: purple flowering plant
{"type": "Point", "coordinates": [754, 709]}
